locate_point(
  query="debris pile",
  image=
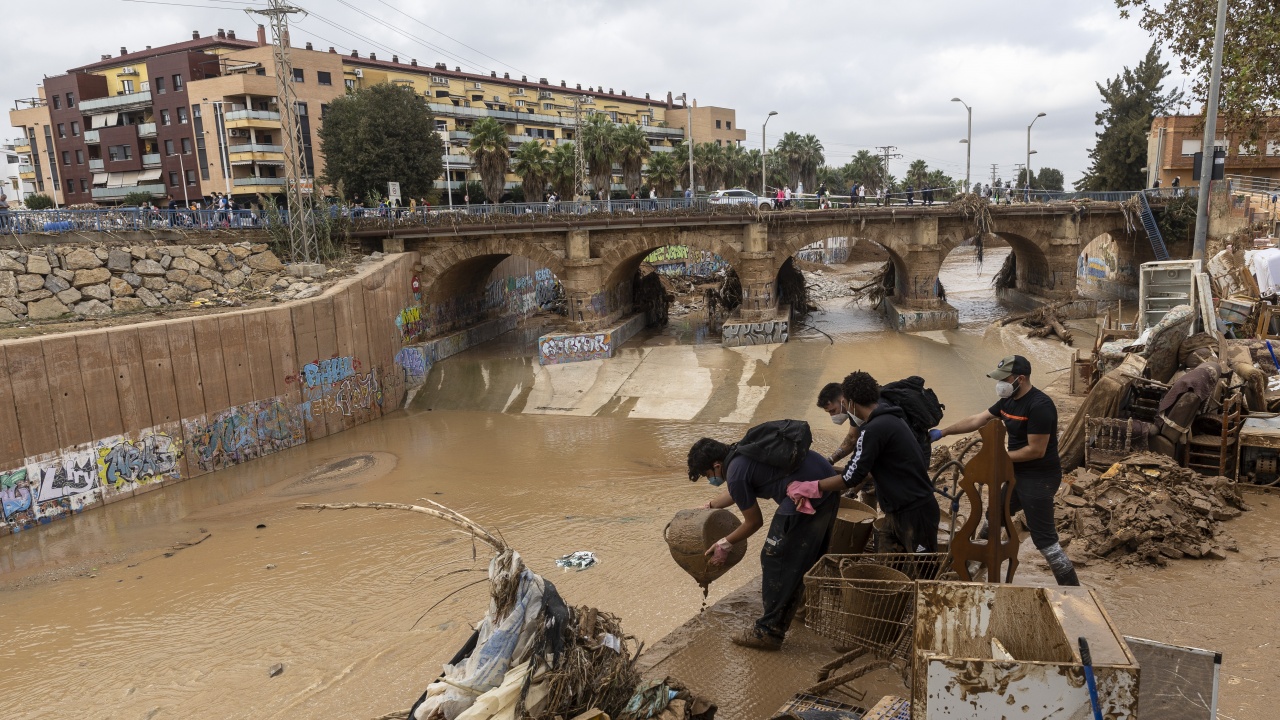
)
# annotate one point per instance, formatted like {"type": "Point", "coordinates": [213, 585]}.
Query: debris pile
{"type": "Point", "coordinates": [1043, 321]}
{"type": "Point", "coordinates": [1147, 509]}
{"type": "Point", "coordinates": [821, 287]}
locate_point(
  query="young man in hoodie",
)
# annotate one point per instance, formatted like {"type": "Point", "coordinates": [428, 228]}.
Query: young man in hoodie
{"type": "Point", "coordinates": [888, 452]}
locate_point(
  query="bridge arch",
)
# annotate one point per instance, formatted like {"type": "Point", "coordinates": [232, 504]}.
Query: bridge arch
{"type": "Point", "coordinates": [458, 287]}
{"type": "Point", "coordinates": [1107, 266]}
{"type": "Point", "coordinates": [621, 260]}
{"type": "Point", "coordinates": [1034, 272]}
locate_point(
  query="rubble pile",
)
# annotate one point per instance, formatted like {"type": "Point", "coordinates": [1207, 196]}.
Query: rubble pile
{"type": "Point", "coordinates": [1147, 509]}
{"type": "Point", "coordinates": [821, 287]}
{"type": "Point", "coordinates": [94, 281]}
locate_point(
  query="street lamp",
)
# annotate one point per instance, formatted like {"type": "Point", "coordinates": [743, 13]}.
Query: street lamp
{"type": "Point", "coordinates": [688, 140]}
{"type": "Point", "coordinates": [1027, 195]}
{"type": "Point", "coordinates": [225, 155]}
{"type": "Point", "coordinates": [968, 142]}
{"type": "Point", "coordinates": [763, 150]}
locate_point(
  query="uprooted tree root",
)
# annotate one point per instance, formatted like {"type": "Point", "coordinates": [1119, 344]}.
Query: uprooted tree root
{"type": "Point", "coordinates": [1043, 321]}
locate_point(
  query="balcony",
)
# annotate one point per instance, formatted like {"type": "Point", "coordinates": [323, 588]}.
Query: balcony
{"type": "Point", "coordinates": [91, 137]}
{"type": "Point", "coordinates": [253, 118]}
{"type": "Point", "coordinates": [117, 193]}
{"type": "Point", "coordinates": [151, 160]}
{"type": "Point", "coordinates": [255, 148]}
{"type": "Point", "coordinates": [246, 182]}
{"type": "Point", "coordinates": [146, 130]}
{"type": "Point", "coordinates": [27, 172]}
{"type": "Point", "coordinates": [116, 103]}
{"type": "Point", "coordinates": [96, 165]}
{"type": "Point", "coordinates": [22, 146]}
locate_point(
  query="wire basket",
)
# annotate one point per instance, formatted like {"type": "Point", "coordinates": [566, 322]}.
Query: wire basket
{"type": "Point", "coordinates": [868, 601]}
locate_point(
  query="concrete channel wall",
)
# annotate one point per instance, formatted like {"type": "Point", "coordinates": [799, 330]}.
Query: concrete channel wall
{"type": "Point", "coordinates": [89, 418]}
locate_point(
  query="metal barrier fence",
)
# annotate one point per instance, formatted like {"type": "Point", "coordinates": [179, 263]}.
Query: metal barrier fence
{"type": "Point", "coordinates": [1253, 185]}
{"type": "Point", "coordinates": [125, 220]}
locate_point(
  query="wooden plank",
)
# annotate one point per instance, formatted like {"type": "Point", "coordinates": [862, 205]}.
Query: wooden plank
{"type": "Point", "coordinates": [326, 349]}
{"type": "Point", "coordinates": [66, 390]}
{"type": "Point", "coordinates": [11, 454]}
{"type": "Point", "coordinates": [98, 378]}
{"type": "Point", "coordinates": [213, 375]}
{"type": "Point", "coordinates": [235, 358]}
{"type": "Point", "coordinates": [186, 369]}
{"type": "Point", "coordinates": [130, 379]}
{"type": "Point", "coordinates": [157, 365]}
{"type": "Point", "coordinates": [24, 361]}
{"type": "Point", "coordinates": [259, 345]}
{"type": "Point", "coordinates": [304, 333]}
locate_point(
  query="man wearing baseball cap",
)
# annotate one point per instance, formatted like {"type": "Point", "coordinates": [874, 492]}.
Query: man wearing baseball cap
{"type": "Point", "coordinates": [1031, 420]}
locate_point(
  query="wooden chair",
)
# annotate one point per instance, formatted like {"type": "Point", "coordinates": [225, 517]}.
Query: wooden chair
{"type": "Point", "coordinates": [1211, 449]}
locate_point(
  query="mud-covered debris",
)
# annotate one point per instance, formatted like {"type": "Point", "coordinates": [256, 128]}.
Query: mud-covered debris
{"type": "Point", "coordinates": [580, 560]}
{"type": "Point", "coordinates": [1147, 509]}
{"type": "Point", "coordinates": [277, 669]}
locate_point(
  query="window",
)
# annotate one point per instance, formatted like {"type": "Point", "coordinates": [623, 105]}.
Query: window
{"type": "Point", "coordinates": [145, 87]}
{"type": "Point", "coordinates": [71, 185]}
{"type": "Point", "coordinates": [75, 128]}
{"type": "Point", "coordinates": [350, 83]}
{"type": "Point", "coordinates": [548, 106]}
{"type": "Point", "coordinates": [186, 146]}
{"type": "Point", "coordinates": [79, 157]}
{"type": "Point", "coordinates": [84, 186]}
{"type": "Point", "coordinates": [62, 129]}
{"type": "Point", "coordinates": [66, 157]}
{"type": "Point", "coordinates": [324, 78]}
{"type": "Point", "coordinates": [126, 87]}
{"type": "Point", "coordinates": [182, 115]}
{"type": "Point", "coordinates": [177, 83]}
{"type": "Point", "coordinates": [298, 75]}
{"type": "Point", "coordinates": [1190, 147]}
{"type": "Point", "coordinates": [71, 100]}
{"type": "Point", "coordinates": [260, 71]}
{"type": "Point", "coordinates": [717, 124]}
{"type": "Point", "coordinates": [57, 103]}
{"type": "Point", "coordinates": [191, 178]}
{"type": "Point", "coordinates": [477, 98]}
{"type": "Point", "coordinates": [120, 152]}
{"type": "Point", "coordinates": [164, 117]}
{"type": "Point", "coordinates": [168, 147]}
{"type": "Point", "coordinates": [195, 112]}
{"type": "Point", "coordinates": [324, 110]}
{"type": "Point", "coordinates": [644, 119]}
{"type": "Point", "coordinates": [159, 81]}
{"type": "Point", "coordinates": [173, 178]}
{"type": "Point", "coordinates": [1273, 147]}
{"type": "Point", "coordinates": [613, 115]}
{"type": "Point", "coordinates": [302, 109]}
{"type": "Point", "coordinates": [442, 125]}
{"type": "Point", "coordinates": [728, 125]}
{"type": "Point", "coordinates": [519, 103]}
{"type": "Point", "coordinates": [719, 142]}
{"type": "Point", "coordinates": [1248, 148]}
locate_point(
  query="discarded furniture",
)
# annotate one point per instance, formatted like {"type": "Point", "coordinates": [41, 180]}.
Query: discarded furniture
{"type": "Point", "coordinates": [1084, 373]}
{"type": "Point", "coordinates": [1163, 286]}
{"type": "Point", "coordinates": [803, 706]}
{"type": "Point", "coordinates": [1215, 453]}
{"type": "Point", "coordinates": [1142, 399]}
{"type": "Point", "coordinates": [1258, 449]}
{"type": "Point", "coordinates": [990, 470]}
{"type": "Point", "coordinates": [1011, 651]}
{"type": "Point", "coordinates": [1268, 322]}
{"type": "Point", "coordinates": [1110, 440]}
{"type": "Point", "coordinates": [1178, 683]}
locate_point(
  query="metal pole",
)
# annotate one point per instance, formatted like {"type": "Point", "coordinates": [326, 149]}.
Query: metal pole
{"type": "Point", "coordinates": [763, 150]}
{"type": "Point", "coordinates": [968, 142]}
{"type": "Point", "coordinates": [1027, 195]}
{"type": "Point", "coordinates": [1207, 148]}
{"type": "Point", "coordinates": [225, 142]}
{"type": "Point", "coordinates": [182, 170]}
{"type": "Point", "coordinates": [448, 176]}
{"type": "Point", "coordinates": [688, 140]}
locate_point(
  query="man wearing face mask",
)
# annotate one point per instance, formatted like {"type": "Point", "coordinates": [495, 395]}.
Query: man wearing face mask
{"type": "Point", "coordinates": [831, 400]}
{"type": "Point", "coordinates": [1031, 420]}
{"type": "Point", "coordinates": [797, 535]}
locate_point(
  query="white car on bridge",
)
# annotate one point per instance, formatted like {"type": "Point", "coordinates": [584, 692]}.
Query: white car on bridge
{"type": "Point", "coordinates": [739, 196]}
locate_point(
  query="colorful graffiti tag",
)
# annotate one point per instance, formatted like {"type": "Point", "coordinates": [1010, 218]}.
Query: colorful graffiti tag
{"type": "Point", "coordinates": [16, 498]}
{"type": "Point", "coordinates": [831, 251]}
{"type": "Point", "coordinates": [242, 433]}
{"type": "Point", "coordinates": [334, 386]}
{"type": "Point", "coordinates": [410, 323]}
{"type": "Point", "coordinates": [153, 457]}
{"type": "Point", "coordinates": [413, 361]}
{"type": "Point", "coordinates": [681, 260]}
{"type": "Point", "coordinates": [556, 349]}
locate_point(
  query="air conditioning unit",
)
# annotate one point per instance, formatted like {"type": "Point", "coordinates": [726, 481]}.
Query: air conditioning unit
{"type": "Point", "coordinates": [359, 73]}
{"type": "Point", "coordinates": [238, 133]}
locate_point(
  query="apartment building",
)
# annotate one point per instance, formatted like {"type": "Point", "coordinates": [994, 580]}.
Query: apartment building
{"type": "Point", "coordinates": [186, 120]}
{"type": "Point", "coordinates": [1175, 139]}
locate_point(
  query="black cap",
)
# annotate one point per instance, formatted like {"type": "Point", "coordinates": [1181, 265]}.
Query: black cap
{"type": "Point", "coordinates": [1010, 366]}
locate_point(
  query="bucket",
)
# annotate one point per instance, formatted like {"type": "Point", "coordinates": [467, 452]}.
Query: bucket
{"type": "Point", "coordinates": [852, 528]}
{"type": "Point", "coordinates": [876, 601]}
{"type": "Point", "coordinates": [691, 532]}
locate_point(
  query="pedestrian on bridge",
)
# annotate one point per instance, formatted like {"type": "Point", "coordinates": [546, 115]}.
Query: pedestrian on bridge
{"type": "Point", "coordinates": [911, 194]}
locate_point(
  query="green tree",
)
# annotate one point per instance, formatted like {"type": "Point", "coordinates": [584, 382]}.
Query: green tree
{"type": "Point", "coordinates": [38, 201]}
{"type": "Point", "coordinates": [600, 147]}
{"type": "Point", "coordinates": [379, 134]}
{"type": "Point", "coordinates": [664, 172]}
{"type": "Point", "coordinates": [137, 198]}
{"type": "Point", "coordinates": [917, 173]}
{"type": "Point", "coordinates": [564, 170]}
{"type": "Point", "coordinates": [1131, 100]}
{"type": "Point", "coordinates": [489, 155]}
{"type": "Point", "coordinates": [1046, 179]}
{"type": "Point", "coordinates": [750, 170]}
{"type": "Point", "coordinates": [790, 152]}
{"type": "Point", "coordinates": [811, 158]}
{"type": "Point", "coordinates": [942, 184]}
{"type": "Point", "coordinates": [1250, 92]}
{"type": "Point", "coordinates": [866, 169]}
{"type": "Point", "coordinates": [710, 161]}
{"type": "Point", "coordinates": [532, 162]}
{"type": "Point", "coordinates": [633, 149]}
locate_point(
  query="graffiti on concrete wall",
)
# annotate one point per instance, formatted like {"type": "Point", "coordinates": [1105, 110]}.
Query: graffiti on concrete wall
{"type": "Point", "coordinates": [17, 499]}
{"type": "Point", "coordinates": [242, 433]}
{"type": "Point", "coordinates": [667, 254]}
{"type": "Point", "coordinates": [334, 386]}
{"type": "Point", "coordinates": [510, 291]}
{"type": "Point", "coordinates": [1103, 259]}
{"type": "Point", "coordinates": [684, 261]}
{"type": "Point", "coordinates": [124, 463]}
{"type": "Point", "coordinates": [411, 324]}
{"type": "Point", "coordinates": [413, 361]}
{"type": "Point", "coordinates": [761, 333]}
{"type": "Point", "coordinates": [67, 482]}
{"type": "Point", "coordinates": [831, 251]}
{"type": "Point", "coordinates": [556, 349]}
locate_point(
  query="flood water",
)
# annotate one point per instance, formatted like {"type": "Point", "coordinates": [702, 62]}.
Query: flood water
{"type": "Point", "coordinates": [106, 618]}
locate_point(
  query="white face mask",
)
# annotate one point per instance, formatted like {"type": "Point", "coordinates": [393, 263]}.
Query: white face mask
{"type": "Point", "coordinates": [840, 418]}
{"type": "Point", "coordinates": [1005, 389]}
{"type": "Point", "coordinates": [857, 420]}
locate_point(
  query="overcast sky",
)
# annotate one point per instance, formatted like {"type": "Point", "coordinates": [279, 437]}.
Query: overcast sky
{"type": "Point", "coordinates": [856, 74]}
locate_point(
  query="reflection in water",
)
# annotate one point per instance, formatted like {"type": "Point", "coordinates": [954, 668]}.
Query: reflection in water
{"type": "Point", "coordinates": [147, 630]}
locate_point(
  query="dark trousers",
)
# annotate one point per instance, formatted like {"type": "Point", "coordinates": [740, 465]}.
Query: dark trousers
{"type": "Point", "coordinates": [1035, 499]}
{"type": "Point", "coordinates": [914, 528]}
{"type": "Point", "coordinates": [793, 545]}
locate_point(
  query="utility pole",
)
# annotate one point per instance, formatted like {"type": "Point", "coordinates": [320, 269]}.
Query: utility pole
{"type": "Point", "coordinates": [887, 152]}
{"type": "Point", "coordinates": [1033, 122]}
{"type": "Point", "coordinates": [579, 160]}
{"type": "Point", "coordinates": [688, 140]}
{"type": "Point", "coordinates": [994, 166]}
{"type": "Point", "coordinates": [1208, 148]}
{"type": "Point", "coordinates": [968, 141]}
{"type": "Point", "coordinates": [302, 233]}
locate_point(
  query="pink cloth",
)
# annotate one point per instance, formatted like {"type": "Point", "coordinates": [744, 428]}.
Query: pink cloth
{"type": "Point", "coordinates": [801, 492]}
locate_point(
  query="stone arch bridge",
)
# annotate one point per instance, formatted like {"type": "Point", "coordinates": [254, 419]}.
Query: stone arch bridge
{"type": "Point", "coordinates": [596, 256]}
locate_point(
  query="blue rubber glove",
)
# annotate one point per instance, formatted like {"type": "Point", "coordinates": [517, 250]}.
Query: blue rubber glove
{"type": "Point", "coordinates": [935, 435]}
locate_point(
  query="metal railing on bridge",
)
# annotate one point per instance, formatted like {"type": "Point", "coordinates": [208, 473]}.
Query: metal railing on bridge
{"type": "Point", "coordinates": [114, 220]}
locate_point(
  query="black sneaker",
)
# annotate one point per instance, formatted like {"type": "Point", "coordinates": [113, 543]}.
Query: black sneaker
{"type": "Point", "coordinates": [752, 638]}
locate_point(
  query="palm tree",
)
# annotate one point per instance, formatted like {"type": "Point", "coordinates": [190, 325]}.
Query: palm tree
{"type": "Point", "coordinates": [750, 169]}
{"type": "Point", "coordinates": [942, 183]}
{"type": "Point", "coordinates": [564, 173]}
{"type": "Point", "coordinates": [681, 153]}
{"type": "Point", "coordinates": [917, 173]}
{"type": "Point", "coordinates": [789, 151]}
{"type": "Point", "coordinates": [664, 172]}
{"type": "Point", "coordinates": [600, 148]}
{"type": "Point", "coordinates": [811, 158]}
{"type": "Point", "coordinates": [633, 149]}
{"type": "Point", "coordinates": [489, 155]}
{"type": "Point", "coordinates": [532, 162]}
{"type": "Point", "coordinates": [866, 169]}
{"type": "Point", "coordinates": [710, 162]}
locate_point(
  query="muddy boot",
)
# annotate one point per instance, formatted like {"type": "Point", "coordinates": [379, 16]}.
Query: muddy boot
{"type": "Point", "coordinates": [752, 637]}
{"type": "Point", "coordinates": [1063, 571]}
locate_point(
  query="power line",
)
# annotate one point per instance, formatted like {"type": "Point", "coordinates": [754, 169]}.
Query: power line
{"type": "Point", "coordinates": [513, 67]}
{"type": "Point", "coordinates": [414, 38]}
{"type": "Point", "coordinates": [158, 2]}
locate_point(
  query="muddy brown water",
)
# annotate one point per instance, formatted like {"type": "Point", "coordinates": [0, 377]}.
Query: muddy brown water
{"type": "Point", "coordinates": [105, 618]}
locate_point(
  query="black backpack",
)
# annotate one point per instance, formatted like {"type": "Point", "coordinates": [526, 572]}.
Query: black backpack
{"type": "Point", "coordinates": [918, 403]}
{"type": "Point", "coordinates": [782, 444]}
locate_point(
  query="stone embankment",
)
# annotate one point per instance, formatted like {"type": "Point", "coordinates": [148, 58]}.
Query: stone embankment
{"type": "Point", "coordinates": [43, 284]}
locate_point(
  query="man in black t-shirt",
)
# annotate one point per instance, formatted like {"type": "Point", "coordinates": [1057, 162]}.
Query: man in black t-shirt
{"type": "Point", "coordinates": [797, 538]}
{"type": "Point", "coordinates": [1031, 420]}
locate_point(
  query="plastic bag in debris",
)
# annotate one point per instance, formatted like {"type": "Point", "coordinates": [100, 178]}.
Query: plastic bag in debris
{"type": "Point", "coordinates": [580, 560]}
{"type": "Point", "coordinates": [500, 702]}
{"type": "Point", "coordinates": [499, 642]}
